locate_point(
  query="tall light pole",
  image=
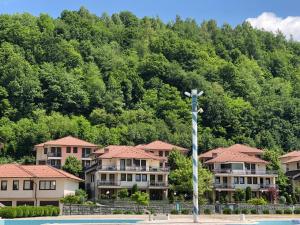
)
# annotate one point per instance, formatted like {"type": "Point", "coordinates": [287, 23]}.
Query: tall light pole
{"type": "Point", "coordinates": [194, 94]}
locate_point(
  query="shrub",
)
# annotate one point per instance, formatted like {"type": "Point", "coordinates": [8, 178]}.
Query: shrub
{"type": "Point", "coordinates": [282, 200]}
{"type": "Point", "coordinates": [297, 211]}
{"type": "Point", "coordinates": [123, 193]}
{"type": "Point", "coordinates": [207, 211]}
{"type": "Point", "coordinates": [257, 201]}
{"type": "Point", "coordinates": [139, 212]}
{"type": "Point", "coordinates": [8, 212]}
{"type": "Point", "coordinates": [266, 211]}
{"type": "Point", "coordinates": [279, 211]}
{"type": "Point", "coordinates": [117, 211]}
{"type": "Point", "coordinates": [174, 212]}
{"type": "Point", "coordinates": [128, 212]}
{"type": "Point", "coordinates": [19, 212]}
{"type": "Point", "coordinates": [236, 211]}
{"type": "Point", "coordinates": [227, 211]}
{"type": "Point", "coordinates": [288, 211]}
{"type": "Point", "coordinates": [185, 211]}
{"type": "Point", "coordinates": [253, 211]}
{"type": "Point", "coordinates": [245, 211]}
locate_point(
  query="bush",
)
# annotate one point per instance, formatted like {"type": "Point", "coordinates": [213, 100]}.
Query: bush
{"type": "Point", "coordinates": [117, 211]}
{"type": "Point", "coordinates": [123, 193]}
{"type": "Point", "coordinates": [207, 211]}
{"type": "Point", "coordinates": [139, 212]}
{"type": "Point", "coordinates": [266, 211]}
{"type": "Point", "coordinates": [282, 200]}
{"type": "Point", "coordinates": [236, 211]}
{"type": "Point", "coordinates": [288, 211]}
{"type": "Point", "coordinates": [257, 201]}
{"type": "Point", "coordinates": [128, 212]}
{"type": "Point", "coordinates": [8, 212]}
{"type": "Point", "coordinates": [185, 211]}
{"type": "Point", "coordinates": [279, 211]}
{"type": "Point", "coordinates": [253, 211]}
{"type": "Point", "coordinates": [20, 212]}
{"type": "Point", "coordinates": [245, 211]}
{"type": "Point", "coordinates": [28, 211]}
{"type": "Point", "coordinates": [227, 211]}
{"type": "Point", "coordinates": [174, 212]}
{"type": "Point", "coordinates": [297, 211]}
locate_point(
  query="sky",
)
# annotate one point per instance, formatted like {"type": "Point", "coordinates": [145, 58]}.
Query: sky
{"type": "Point", "coordinates": [271, 15]}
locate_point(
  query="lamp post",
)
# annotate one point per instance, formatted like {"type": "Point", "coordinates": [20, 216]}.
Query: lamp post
{"type": "Point", "coordinates": [194, 94]}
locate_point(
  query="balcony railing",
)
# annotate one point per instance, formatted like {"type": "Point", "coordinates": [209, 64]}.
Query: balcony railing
{"type": "Point", "coordinates": [132, 168]}
{"type": "Point", "coordinates": [108, 183]}
{"type": "Point", "coordinates": [234, 186]}
{"type": "Point", "coordinates": [224, 186]}
{"type": "Point", "coordinates": [157, 184]}
{"type": "Point", "coordinates": [267, 186]}
{"type": "Point", "coordinates": [246, 172]}
{"type": "Point", "coordinates": [54, 154]}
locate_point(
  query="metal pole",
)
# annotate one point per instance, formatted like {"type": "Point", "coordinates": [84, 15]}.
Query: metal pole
{"type": "Point", "coordinates": [194, 94]}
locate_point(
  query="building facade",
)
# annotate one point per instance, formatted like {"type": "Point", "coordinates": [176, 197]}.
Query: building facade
{"type": "Point", "coordinates": [36, 185]}
{"type": "Point", "coordinates": [121, 167]}
{"type": "Point", "coordinates": [55, 152]}
{"type": "Point", "coordinates": [291, 166]}
{"type": "Point", "coordinates": [239, 167]}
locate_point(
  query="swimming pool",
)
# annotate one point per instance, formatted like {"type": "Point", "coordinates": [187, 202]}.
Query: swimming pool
{"type": "Point", "coordinates": [285, 222]}
{"type": "Point", "coordinates": [74, 221]}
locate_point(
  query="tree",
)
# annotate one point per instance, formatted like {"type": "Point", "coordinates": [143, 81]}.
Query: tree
{"type": "Point", "coordinates": [134, 189]}
{"type": "Point", "coordinates": [248, 193]}
{"type": "Point", "coordinates": [123, 193]}
{"type": "Point", "coordinates": [140, 198]}
{"type": "Point", "coordinates": [72, 165]}
{"type": "Point", "coordinates": [239, 195]}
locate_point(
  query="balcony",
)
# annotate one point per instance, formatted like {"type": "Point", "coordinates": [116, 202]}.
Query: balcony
{"type": "Point", "coordinates": [108, 183]}
{"type": "Point", "coordinates": [253, 186]}
{"type": "Point", "coordinates": [244, 172]}
{"type": "Point", "coordinates": [224, 186]}
{"type": "Point", "coordinates": [133, 168]}
{"type": "Point", "coordinates": [54, 154]}
{"type": "Point", "coordinates": [157, 184]}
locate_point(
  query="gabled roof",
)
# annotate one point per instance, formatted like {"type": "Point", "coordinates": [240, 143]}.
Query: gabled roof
{"type": "Point", "coordinates": [160, 145]}
{"type": "Point", "coordinates": [291, 154]}
{"type": "Point", "coordinates": [67, 141]}
{"type": "Point", "coordinates": [123, 151]}
{"type": "Point", "coordinates": [293, 159]}
{"type": "Point", "coordinates": [234, 148]}
{"type": "Point", "coordinates": [228, 156]}
{"type": "Point", "coordinates": [33, 171]}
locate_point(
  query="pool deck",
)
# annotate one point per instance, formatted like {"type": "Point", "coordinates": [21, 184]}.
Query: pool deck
{"type": "Point", "coordinates": [184, 219]}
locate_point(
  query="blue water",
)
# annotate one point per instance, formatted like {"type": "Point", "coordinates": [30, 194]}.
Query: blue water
{"type": "Point", "coordinates": [290, 222]}
{"type": "Point", "coordinates": [39, 222]}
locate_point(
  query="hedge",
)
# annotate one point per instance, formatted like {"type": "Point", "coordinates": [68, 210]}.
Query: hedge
{"type": "Point", "coordinates": [28, 211]}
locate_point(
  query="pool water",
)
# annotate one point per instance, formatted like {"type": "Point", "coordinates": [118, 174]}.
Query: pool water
{"type": "Point", "coordinates": [285, 222]}
{"type": "Point", "coordinates": [78, 221]}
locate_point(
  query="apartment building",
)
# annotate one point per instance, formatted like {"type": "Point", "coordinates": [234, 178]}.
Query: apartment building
{"type": "Point", "coordinates": [119, 167]}
{"type": "Point", "coordinates": [238, 166]}
{"type": "Point", "coordinates": [291, 166]}
{"type": "Point", "coordinates": [37, 185]}
{"type": "Point", "coordinates": [55, 152]}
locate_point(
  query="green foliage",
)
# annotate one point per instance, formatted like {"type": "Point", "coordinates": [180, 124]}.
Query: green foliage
{"type": "Point", "coordinates": [248, 193]}
{"type": "Point", "coordinates": [140, 198]}
{"type": "Point", "coordinates": [279, 211]}
{"type": "Point", "coordinates": [123, 193]}
{"type": "Point", "coordinates": [266, 211]}
{"type": "Point", "coordinates": [288, 211]}
{"type": "Point", "coordinates": [174, 212]}
{"type": "Point", "coordinates": [134, 189]}
{"type": "Point", "coordinates": [282, 200]}
{"type": "Point", "coordinates": [73, 165]}
{"type": "Point", "coordinates": [207, 211]}
{"type": "Point", "coordinates": [227, 211]}
{"type": "Point", "coordinates": [297, 211]}
{"type": "Point", "coordinates": [239, 195]}
{"type": "Point", "coordinates": [28, 211]}
{"type": "Point", "coordinates": [185, 211]}
{"type": "Point", "coordinates": [80, 197]}
{"type": "Point", "coordinates": [245, 211]}
{"type": "Point", "coordinates": [253, 211]}
{"type": "Point", "coordinates": [120, 79]}
{"type": "Point", "coordinates": [257, 201]}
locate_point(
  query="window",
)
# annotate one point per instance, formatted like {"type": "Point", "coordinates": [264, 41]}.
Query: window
{"type": "Point", "coordinates": [268, 181]}
{"type": "Point", "coordinates": [123, 177]}
{"type": "Point", "coordinates": [242, 180]}
{"type": "Point", "coordinates": [27, 185]}
{"type": "Point", "coordinates": [128, 162]}
{"type": "Point", "coordinates": [137, 162]}
{"type": "Point", "coordinates": [111, 177]}
{"type": "Point", "coordinates": [249, 180]}
{"type": "Point", "coordinates": [75, 150]}
{"type": "Point", "coordinates": [144, 177]}
{"type": "Point", "coordinates": [159, 178]}
{"type": "Point", "coordinates": [86, 152]}
{"type": "Point", "coordinates": [47, 185]}
{"type": "Point", "coordinates": [166, 154]}
{"type": "Point", "coordinates": [236, 180]}
{"type": "Point", "coordinates": [3, 185]}
{"type": "Point", "coordinates": [217, 180]}
{"type": "Point", "coordinates": [92, 179]}
{"type": "Point", "coordinates": [161, 165]}
{"type": "Point", "coordinates": [254, 180]}
{"type": "Point", "coordinates": [103, 177]}
{"type": "Point", "coordinates": [68, 149]}
{"type": "Point", "coordinates": [161, 153]}
{"type": "Point", "coordinates": [15, 185]}
{"type": "Point", "coordinates": [129, 177]}
{"type": "Point", "coordinates": [138, 177]}
{"type": "Point", "coordinates": [45, 151]}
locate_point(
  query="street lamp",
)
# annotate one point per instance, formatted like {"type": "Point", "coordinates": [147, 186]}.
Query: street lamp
{"type": "Point", "coordinates": [194, 94]}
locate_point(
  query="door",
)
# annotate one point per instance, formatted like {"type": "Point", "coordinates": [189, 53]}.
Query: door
{"type": "Point", "coordinates": [143, 165]}
{"type": "Point", "coordinates": [253, 168]}
{"type": "Point", "coordinates": [225, 182]}
{"type": "Point", "coordinates": [122, 164]}
{"type": "Point", "coordinates": [261, 181]}
{"type": "Point", "coordinates": [152, 179]}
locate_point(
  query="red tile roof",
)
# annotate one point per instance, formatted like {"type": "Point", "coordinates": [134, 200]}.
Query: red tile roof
{"type": "Point", "coordinates": [293, 159]}
{"type": "Point", "coordinates": [67, 141]}
{"type": "Point", "coordinates": [291, 154]}
{"type": "Point", "coordinates": [234, 148]}
{"type": "Point", "coordinates": [230, 156]}
{"type": "Point", "coordinates": [123, 151]}
{"type": "Point", "coordinates": [33, 171]}
{"type": "Point", "coordinates": [160, 145]}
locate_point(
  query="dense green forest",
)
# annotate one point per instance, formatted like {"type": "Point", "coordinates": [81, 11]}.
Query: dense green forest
{"type": "Point", "coordinates": [120, 79]}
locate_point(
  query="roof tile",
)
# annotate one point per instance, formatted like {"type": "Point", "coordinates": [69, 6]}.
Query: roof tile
{"type": "Point", "coordinates": [67, 141]}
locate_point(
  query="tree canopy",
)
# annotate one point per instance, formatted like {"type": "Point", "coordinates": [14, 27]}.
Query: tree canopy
{"type": "Point", "coordinates": [120, 79]}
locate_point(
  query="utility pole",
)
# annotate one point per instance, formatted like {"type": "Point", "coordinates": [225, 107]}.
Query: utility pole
{"type": "Point", "coordinates": [194, 94]}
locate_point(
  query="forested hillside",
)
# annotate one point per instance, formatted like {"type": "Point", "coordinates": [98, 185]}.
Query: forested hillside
{"type": "Point", "coordinates": [120, 80]}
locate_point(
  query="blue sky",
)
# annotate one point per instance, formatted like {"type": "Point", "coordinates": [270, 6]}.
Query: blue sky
{"type": "Point", "coordinates": [230, 11]}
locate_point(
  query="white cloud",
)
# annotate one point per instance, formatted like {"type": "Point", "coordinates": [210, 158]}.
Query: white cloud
{"type": "Point", "coordinates": [289, 26]}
